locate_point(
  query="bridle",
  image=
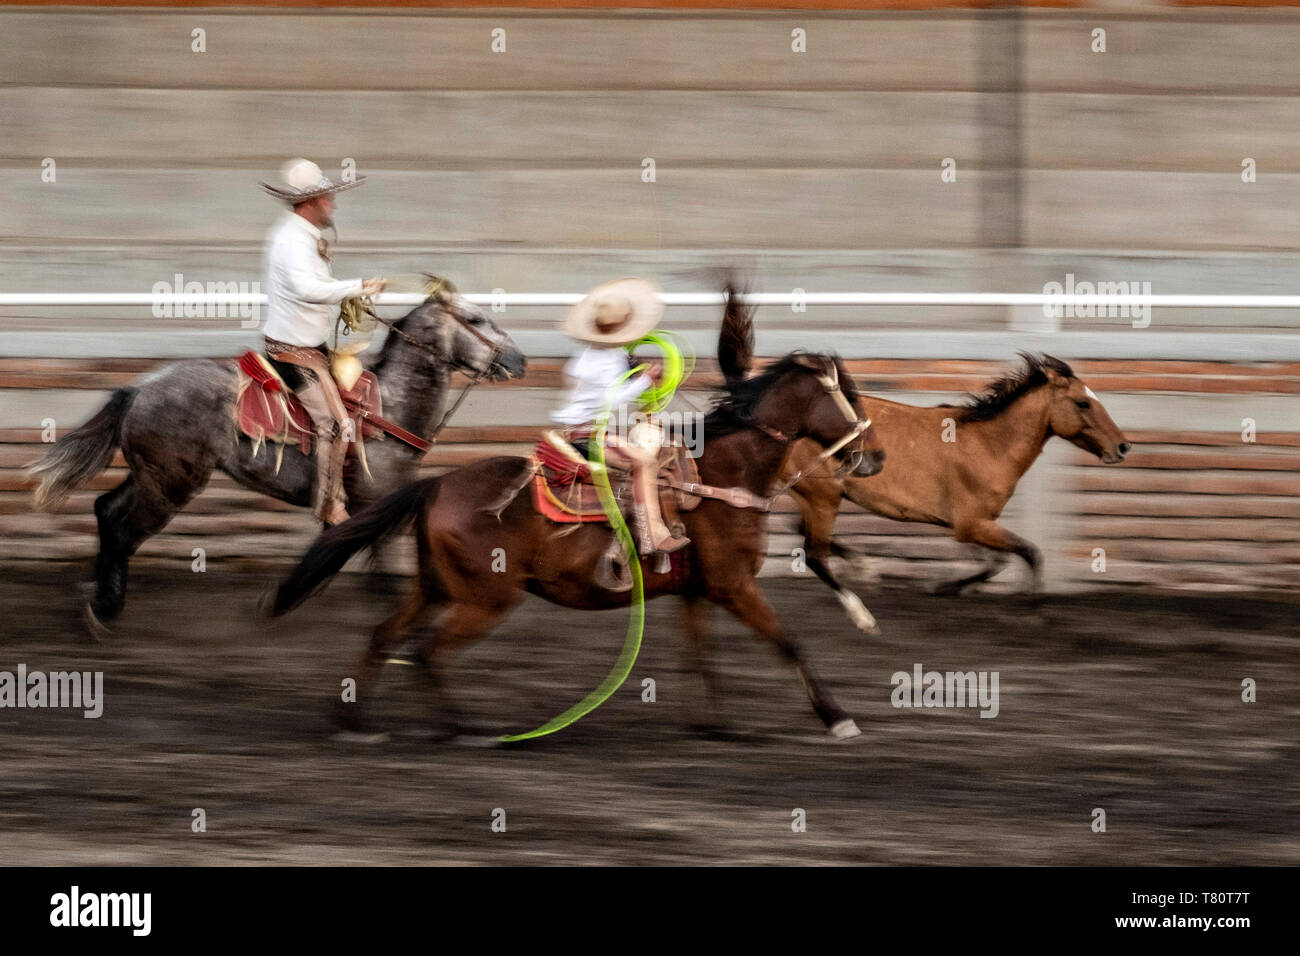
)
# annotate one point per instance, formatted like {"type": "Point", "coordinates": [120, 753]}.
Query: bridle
{"type": "Point", "coordinates": [355, 311]}
{"type": "Point", "coordinates": [828, 374]}
{"type": "Point", "coordinates": [743, 497]}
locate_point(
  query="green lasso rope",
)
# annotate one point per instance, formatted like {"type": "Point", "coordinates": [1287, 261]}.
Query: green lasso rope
{"type": "Point", "coordinates": [679, 362]}
{"type": "Point", "coordinates": [676, 367]}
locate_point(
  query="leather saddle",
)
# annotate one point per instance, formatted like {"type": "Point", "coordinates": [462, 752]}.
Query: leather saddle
{"type": "Point", "coordinates": [565, 492]}
{"type": "Point", "coordinates": [267, 411]}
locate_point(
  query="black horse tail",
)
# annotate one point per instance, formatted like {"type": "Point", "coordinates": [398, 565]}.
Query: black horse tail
{"type": "Point", "coordinates": [83, 453]}
{"type": "Point", "coordinates": [332, 549]}
{"type": "Point", "coordinates": [736, 339]}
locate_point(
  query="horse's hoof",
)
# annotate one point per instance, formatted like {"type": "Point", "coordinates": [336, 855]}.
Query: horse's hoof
{"type": "Point", "coordinates": [858, 613]}
{"type": "Point", "coordinates": [366, 738]}
{"type": "Point", "coordinates": [348, 718]}
{"type": "Point", "coordinates": [411, 655]}
{"type": "Point", "coordinates": [266, 605]}
{"type": "Point", "coordinates": [714, 730]}
{"type": "Point", "coordinates": [844, 729]}
{"type": "Point", "coordinates": [99, 631]}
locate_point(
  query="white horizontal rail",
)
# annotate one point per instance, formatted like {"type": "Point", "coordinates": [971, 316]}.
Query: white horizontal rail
{"type": "Point", "coordinates": [43, 299]}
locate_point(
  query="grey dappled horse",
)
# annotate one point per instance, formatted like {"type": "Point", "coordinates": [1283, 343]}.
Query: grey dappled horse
{"type": "Point", "coordinates": [175, 426]}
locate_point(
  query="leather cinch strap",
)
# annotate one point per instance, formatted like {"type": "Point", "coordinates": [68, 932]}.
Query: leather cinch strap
{"type": "Point", "coordinates": [384, 425]}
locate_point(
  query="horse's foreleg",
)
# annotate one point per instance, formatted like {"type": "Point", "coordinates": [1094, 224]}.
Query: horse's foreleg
{"type": "Point", "coordinates": [1001, 542]}
{"type": "Point", "coordinates": [747, 603]}
{"type": "Point", "coordinates": [818, 524]}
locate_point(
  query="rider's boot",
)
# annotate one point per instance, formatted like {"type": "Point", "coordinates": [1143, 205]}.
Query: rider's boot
{"type": "Point", "coordinates": [330, 498]}
{"type": "Point", "coordinates": [646, 490]}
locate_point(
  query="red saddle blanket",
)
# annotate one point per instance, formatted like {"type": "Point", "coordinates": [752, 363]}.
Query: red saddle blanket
{"type": "Point", "coordinates": [563, 490]}
{"type": "Point", "coordinates": [266, 411]}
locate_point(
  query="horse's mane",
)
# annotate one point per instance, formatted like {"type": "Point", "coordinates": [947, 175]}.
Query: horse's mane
{"type": "Point", "coordinates": [733, 409]}
{"type": "Point", "coordinates": [1002, 392]}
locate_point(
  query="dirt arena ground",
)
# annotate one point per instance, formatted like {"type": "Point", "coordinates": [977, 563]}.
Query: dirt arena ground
{"type": "Point", "coordinates": [1127, 702]}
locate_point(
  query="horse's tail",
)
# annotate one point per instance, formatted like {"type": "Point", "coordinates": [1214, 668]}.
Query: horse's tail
{"type": "Point", "coordinates": [736, 339]}
{"type": "Point", "coordinates": [332, 549]}
{"type": "Point", "coordinates": [83, 453]}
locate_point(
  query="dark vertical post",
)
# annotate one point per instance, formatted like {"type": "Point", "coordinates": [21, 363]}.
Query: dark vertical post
{"type": "Point", "coordinates": [1000, 66]}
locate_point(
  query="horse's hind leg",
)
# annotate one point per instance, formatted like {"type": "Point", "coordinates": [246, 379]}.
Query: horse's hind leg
{"type": "Point", "coordinates": [747, 602]}
{"type": "Point", "coordinates": [353, 715]}
{"type": "Point", "coordinates": [459, 625]}
{"type": "Point", "coordinates": [110, 563]}
{"type": "Point", "coordinates": [1000, 542]}
{"type": "Point", "coordinates": [994, 561]}
{"type": "Point", "coordinates": [127, 516]}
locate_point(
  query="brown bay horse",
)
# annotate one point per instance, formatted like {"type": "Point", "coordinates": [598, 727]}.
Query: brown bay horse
{"type": "Point", "coordinates": [956, 467]}
{"type": "Point", "coordinates": [747, 436]}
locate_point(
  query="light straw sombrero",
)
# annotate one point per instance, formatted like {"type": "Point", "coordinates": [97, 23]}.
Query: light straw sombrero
{"type": "Point", "coordinates": [301, 180]}
{"type": "Point", "coordinates": [616, 313]}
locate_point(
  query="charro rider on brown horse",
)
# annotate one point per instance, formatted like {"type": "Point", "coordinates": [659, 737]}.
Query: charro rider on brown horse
{"type": "Point", "coordinates": [302, 308]}
{"type": "Point", "coordinates": [612, 316]}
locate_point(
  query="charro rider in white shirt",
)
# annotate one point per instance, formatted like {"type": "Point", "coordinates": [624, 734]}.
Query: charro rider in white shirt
{"type": "Point", "coordinates": [302, 308]}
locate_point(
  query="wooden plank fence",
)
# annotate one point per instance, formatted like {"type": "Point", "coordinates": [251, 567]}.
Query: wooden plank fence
{"type": "Point", "coordinates": [1192, 508]}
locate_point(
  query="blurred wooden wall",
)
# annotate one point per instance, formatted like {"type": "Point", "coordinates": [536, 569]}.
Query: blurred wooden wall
{"type": "Point", "coordinates": [817, 170]}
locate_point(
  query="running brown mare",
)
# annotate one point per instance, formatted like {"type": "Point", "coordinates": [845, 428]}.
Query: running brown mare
{"type": "Point", "coordinates": [460, 539]}
{"type": "Point", "coordinates": [956, 467]}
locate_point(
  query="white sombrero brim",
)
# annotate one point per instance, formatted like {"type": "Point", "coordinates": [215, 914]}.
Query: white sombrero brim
{"type": "Point", "coordinates": [285, 194]}
{"type": "Point", "coordinates": [647, 310]}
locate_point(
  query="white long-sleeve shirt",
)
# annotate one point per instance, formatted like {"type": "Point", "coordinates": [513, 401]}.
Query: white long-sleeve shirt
{"type": "Point", "coordinates": [592, 374]}
{"type": "Point", "coordinates": [302, 297]}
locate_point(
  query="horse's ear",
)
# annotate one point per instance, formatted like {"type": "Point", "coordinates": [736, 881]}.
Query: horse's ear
{"type": "Point", "coordinates": [1049, 366]}
{"type": "Point", "coordinates": [823, 365]}
{"type": "Point", "coordinates": [438, 288]}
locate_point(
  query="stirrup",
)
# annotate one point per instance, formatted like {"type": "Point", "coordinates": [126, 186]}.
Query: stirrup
{"type": "Point", "coordinates": [336, 516]}
{"type": "Point", "coordinates": [674, 542]}
{"type": "Point", "coordinates": [606, 575]}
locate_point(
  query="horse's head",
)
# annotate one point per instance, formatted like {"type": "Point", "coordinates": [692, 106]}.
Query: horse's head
{"type": "Point", "coordinates": [1076, 414]}
{"type": "Point", "coordinates": [803, 396]}
{"type": "Point", "coordinates": [478, 343]}
{"type": "Point", "coordinates": [831, 413]}
{"type": "Point", "coordinates": [461, 333]}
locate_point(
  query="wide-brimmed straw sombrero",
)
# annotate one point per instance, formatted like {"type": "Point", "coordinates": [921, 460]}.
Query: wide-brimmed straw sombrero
{"type": "Point", "coordinates": [301, 180]}
{"type": "Point", "coordinates": [616, 313]}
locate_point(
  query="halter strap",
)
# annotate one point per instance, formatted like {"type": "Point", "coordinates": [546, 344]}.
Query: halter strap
{"type": "Point", "coordinates": [742, 497]}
